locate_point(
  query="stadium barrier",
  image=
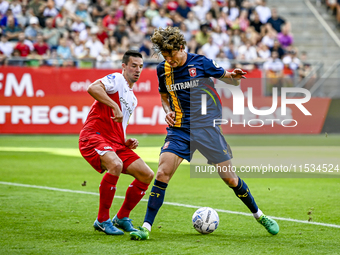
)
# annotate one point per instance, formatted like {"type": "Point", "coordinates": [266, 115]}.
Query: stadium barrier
{"type": "Point", "coordinates": [49, 100]}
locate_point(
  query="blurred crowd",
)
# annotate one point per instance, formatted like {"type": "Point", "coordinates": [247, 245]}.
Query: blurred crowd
{"type": "Point", "coordinates": [333, 6]}
{"type": "Point", "coordinates": [95, 33]}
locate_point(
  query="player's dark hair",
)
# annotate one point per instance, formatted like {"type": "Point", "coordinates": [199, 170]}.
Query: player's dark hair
{"type": "Point", "coordinates": [168, 39]}
{"type": "Point", "coordinates": [131, 53]}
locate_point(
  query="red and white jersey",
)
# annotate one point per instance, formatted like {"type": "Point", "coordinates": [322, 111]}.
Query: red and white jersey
{"type": "Point", "coordinates": [99, 118]}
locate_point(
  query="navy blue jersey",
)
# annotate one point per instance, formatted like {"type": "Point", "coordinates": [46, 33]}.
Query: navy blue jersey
{"type": "Point", "coordinates": [185, 86]}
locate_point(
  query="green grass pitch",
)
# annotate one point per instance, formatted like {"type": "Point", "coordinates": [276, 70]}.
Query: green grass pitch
{"type": "Point", "coordinates": [43, 221]}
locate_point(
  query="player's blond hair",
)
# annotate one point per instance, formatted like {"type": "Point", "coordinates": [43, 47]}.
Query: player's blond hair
{"type": "Point", "coordinates": [168, 39]}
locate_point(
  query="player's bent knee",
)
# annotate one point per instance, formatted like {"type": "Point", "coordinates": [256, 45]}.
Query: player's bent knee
{"type": "Point", "coordinates": [150, 176]}
{"type": "Point", "coordinates": [147, 175]}
{"type": "Point", "coordinates": [163, 176]}
{"type": "Point", "coordinates": [231, 182]}
{"type": "Point", "coordinates": [115, 167]}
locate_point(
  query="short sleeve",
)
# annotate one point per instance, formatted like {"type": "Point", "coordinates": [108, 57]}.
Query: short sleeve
{"type": "Point", "coordinates": [161, 79]}
{"type": "Point", "coordinates": [111, 83]}
{"type": "Point", "coordinates": [212, 69]}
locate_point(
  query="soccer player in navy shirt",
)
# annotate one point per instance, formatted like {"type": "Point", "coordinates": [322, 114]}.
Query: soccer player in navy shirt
{"type": "Point", "coordinates": [180, 76]}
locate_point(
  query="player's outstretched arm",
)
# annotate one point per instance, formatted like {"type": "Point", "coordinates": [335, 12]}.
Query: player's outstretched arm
{"type": "Point", "coordinates": [97, 91]}
{"type": "Point", "coordinates": [170, 115]}
{"type": "Point", "coordinates": [234, 77]}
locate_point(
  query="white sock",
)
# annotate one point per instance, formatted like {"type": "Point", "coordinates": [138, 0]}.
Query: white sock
{"type": "Point", "coordinates": [147, 226]}
{"type": "Point", "coordinates": [258, 214]}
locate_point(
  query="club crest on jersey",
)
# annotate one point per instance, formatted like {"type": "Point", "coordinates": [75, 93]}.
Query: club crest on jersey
{"type": "Point", "coordinates": [166, 145]}
{"type": "Point", "coordinates": [192, 72]}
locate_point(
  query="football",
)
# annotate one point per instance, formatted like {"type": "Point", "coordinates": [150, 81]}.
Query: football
{"type": "Point", "coordinates": [205, 220]}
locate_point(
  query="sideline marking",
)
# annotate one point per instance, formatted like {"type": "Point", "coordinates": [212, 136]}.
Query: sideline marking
{"type": "Point", "coordinates": [168, 203]}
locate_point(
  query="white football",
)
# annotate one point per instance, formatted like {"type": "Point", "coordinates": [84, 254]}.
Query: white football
{"type": "Point", "coordinates": [205, 220]}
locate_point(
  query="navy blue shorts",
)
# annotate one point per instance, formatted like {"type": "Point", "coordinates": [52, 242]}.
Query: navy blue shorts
{"type": "Point", "coordinates": [209, 141]}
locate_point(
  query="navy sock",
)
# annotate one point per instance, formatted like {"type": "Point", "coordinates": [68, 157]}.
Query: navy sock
{"type": "Point", "coordinates": [156, 199]}
{"type": "Point", "coordinates": [243, 193]}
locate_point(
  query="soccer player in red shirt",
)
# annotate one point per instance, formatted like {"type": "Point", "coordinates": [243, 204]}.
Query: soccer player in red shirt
{"type": "Point", "coordinates": [103, 144]}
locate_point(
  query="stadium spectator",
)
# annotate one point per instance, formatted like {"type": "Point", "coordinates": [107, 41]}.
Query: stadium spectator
{"type": "Point", "coordinates": [220, 38]}
{"type": "Point", "coordinates": [37, 6]}
{"type": "Point", "coordinates": [71, 6]}
{"type": "Point", "coordinates": [170, 5]}
{"type": "Point", "coordinates": [276, 21]}
{"type": "Point", "coordinates": [49, 10]}
{"type": "Point", "coordinates": [5, 46]}
{"type": "Point", "coordinates": [33, 29]}
{"type": "Point", "coordinates": [152, 11]}
{"type": "Point", "coordinates": [51, 34]}
{"type": "Point", "coordinates": [210, 49]}
{"type": "Point", "coordinates": [41, 47]}
{"type": "Point", "coordinates": [146, 48]}
{"type": "Point", "coordinates": [83, 13]}
{"type": "Point", "coordinates": [252, 35]}
{"type": "Point", "coordinates": [85, 34]}
{"type": "Point", "coordinates": [101, 34]}
{"type": "Point", "coordinates": [273, 72]}
{"type": "Point", "coordinates": [203, 35]}
{"type": "Point", "coordinates": [233, 11]}
{"type": "Point", "coordinates": [59, 4]}
{"type": "Point", "coordinates": [292, 60]}
{"type": "Point", "coordinates": [63, 50]}
{"type": "Point", "coordinates": [161, 20]}
{"type": "Point", "coordinates": [183, 9]}
{"type": "Point", "coordinates": [263, 52]}
{"type": "Point", "coordinates": [269, 37]}
{"type": "Point", "coordinates": [112, 45]}
{"type": "Point", "coordinates": [210, 20]}
{"type": "Point", "coordinates": [24, 17]}
{"type": "Point", "coordinates": [230, 51]}
{"type": "Point", "coordinates": [120, 31]}
{"type": "Point", "coordinates": [263, 11]}
{"type": "Point", "coordinates": [143, 23]}
{"type": "Point", "coordinates": [285, 38]}
{"type": "Point", "coordinates": [136, 36]}
{"type": "Point", "coordinates": [256, 23]}
{"type": "Point", "coordinates": [131, 10]}
{"type": "Point", "coordinates": [99, 10]}
{"type": "Point", "coordinates": [111, 151]}
{"type": "Point", "coordinates": [223, 61]}
{"type": "Point", "coordinates": [247, 52]}
{"type": "Point", "coordinates": [176, 19]}
{"type": "Point", "coordinates": [78, 25]}
{"type": "Point", "coordinates": [4, 5]}
{"type": "Point", "coordinates": [192, 46]}
{"type": "Point", "coordinates": [192, 24]}
{"type": "Point", "coordinates": [242, 21]}
{"type": "Point", "coordinates": [277, 47]}
{"type": "Point", "coordinates": [77, 48]}
{"type": "Point", "coordinates": [33, 59]}
{"type": "Point", "coordinates": [94, 45]}
{"type": "Point", "coordinates": [3, 21]}
{"type": "Point", "coordinates": [63, 20]}
{"type": "Point", "coordinates": [236, 38]}
{"type": "Point", "coordinates": [305, 69]}
{"type": "Point", "coordinates": [123, 46]}
{"type": "Point", "coordinates": [21, 46]}
{"type": "Point", "coordinates": [200, 10]}
{"type": "Point", "coordinates": [104, 60]}
{"type": "Point", "coordinates": [16, 8]}
{"type": "Point", "coordinates": [110, 21]}
{"type": "Point", "coordinates": [11, 30]}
